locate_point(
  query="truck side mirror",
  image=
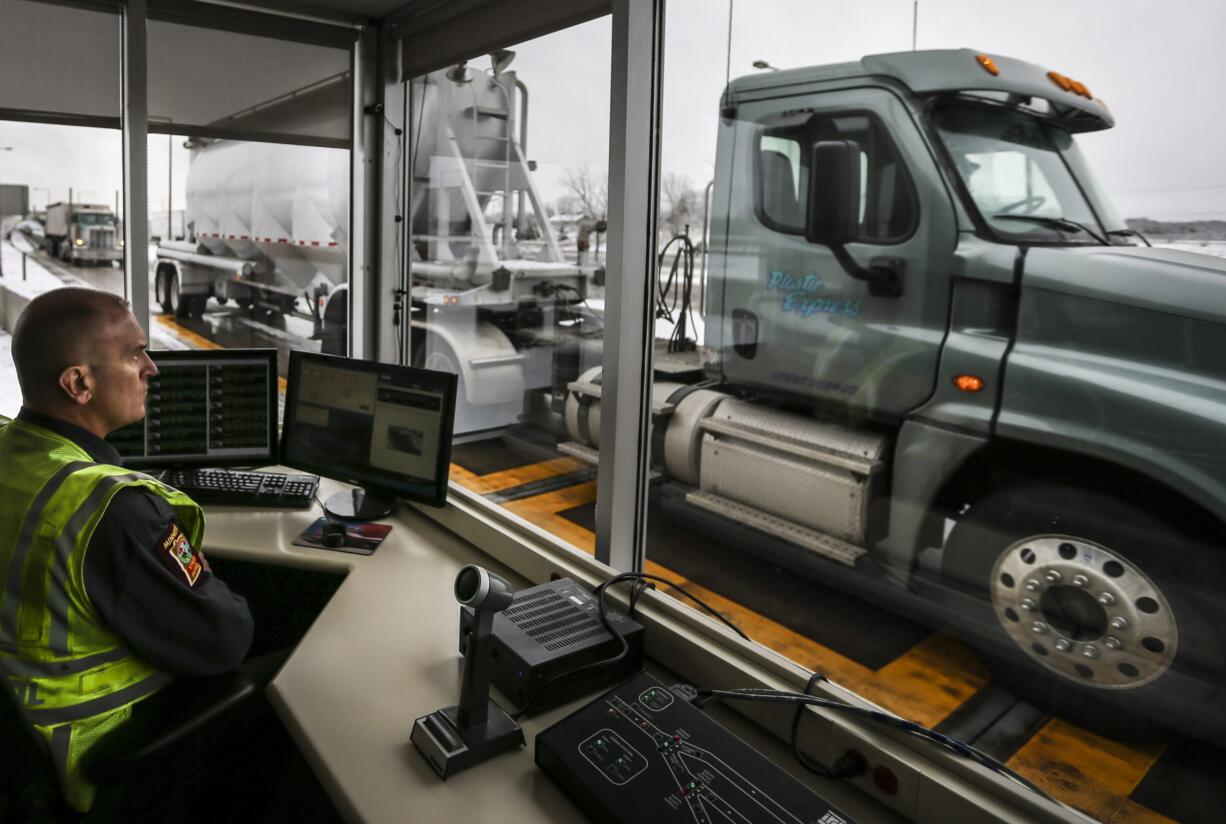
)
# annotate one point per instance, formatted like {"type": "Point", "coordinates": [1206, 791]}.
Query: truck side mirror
{"type": "Point", "coordinates": [833, 214]}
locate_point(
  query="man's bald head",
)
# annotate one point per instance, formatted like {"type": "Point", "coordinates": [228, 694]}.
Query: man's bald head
{"type": "Point", "coordinates": [59, 329]}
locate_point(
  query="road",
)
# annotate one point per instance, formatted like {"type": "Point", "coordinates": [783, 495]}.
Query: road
{"type": "Point", "coordinates": [222, 326]}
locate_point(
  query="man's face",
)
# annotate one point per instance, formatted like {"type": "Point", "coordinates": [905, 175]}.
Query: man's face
{"type": "Point", "coordinates": [121, 373]}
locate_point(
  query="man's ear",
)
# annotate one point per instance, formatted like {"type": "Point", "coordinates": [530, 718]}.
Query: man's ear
{"type": "Point", "coordinates": [77, 382]}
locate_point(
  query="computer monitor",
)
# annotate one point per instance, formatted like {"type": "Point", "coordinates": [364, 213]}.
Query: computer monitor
{"type": "Point", "coordinates": [385, 428]}
{"type": "Point", "coordinates": [215, 407]}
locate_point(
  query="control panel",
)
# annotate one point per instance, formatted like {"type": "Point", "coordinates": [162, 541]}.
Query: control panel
{"type": "Point", "coordinates": [641, 753]}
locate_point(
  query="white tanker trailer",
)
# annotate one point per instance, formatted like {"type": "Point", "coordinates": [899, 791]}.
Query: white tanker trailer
{"type": "Point", "coordinates": [267, 224]}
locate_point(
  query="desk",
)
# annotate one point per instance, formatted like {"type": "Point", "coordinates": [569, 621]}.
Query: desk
{"type": "Point", "coordinates": [383, 652]}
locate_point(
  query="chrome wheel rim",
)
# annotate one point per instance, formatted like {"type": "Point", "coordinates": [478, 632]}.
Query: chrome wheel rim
{"type": "Point", "coordinates": [1084, 612]}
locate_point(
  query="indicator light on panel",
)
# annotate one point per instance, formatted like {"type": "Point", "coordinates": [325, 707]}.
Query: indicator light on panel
{"type": "Point", "coordinates": [969, 383]}
{"type": "Point", "coordinates": [989, 65]}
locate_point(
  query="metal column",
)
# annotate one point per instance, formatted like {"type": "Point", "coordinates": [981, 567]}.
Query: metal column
{"type": "Point", "coordinates": [625, 435]}
{"type": "Point", "coordinates": [363, 196]}
{"type": "Point", "coordinates": [134, 116]}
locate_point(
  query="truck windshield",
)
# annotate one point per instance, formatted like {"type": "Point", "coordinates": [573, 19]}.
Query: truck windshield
{"type": "Point", "coordinates": [94, 219]}
{"type": "Point", "coordinates": [1026, 177]}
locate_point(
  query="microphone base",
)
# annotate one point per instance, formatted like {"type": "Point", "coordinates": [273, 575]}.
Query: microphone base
{"type": "Point", "coordinates": [449, 749]}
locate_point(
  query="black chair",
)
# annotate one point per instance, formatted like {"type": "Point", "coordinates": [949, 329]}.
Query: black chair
{"type": "Point", "coordinates": [123, 760]}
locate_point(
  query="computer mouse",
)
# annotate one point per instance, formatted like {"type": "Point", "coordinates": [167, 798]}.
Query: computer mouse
{"type": "Point", "coordinates": [334, 535]}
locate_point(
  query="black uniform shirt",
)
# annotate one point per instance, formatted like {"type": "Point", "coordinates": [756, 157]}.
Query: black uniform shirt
{"type": "Point", "coordinates": [151, 588]}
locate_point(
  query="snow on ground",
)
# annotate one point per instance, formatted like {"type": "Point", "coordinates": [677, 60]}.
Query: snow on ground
{"type": "Point", "coordinates": [1217, 248]}
{"type": "Point", "coordinates": [10, 392]}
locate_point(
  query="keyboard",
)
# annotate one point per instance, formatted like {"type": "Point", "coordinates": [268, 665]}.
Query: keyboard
{"type": "Point", "coordinates": [226, 486]}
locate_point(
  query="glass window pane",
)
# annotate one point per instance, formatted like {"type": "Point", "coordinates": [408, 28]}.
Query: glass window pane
{"type": "Point", "coordinates": [61, 204]}
{"type": "Point", "coordinates": [964, 459]}
{"type": "Point", "coordinates": [256, 253]}
{"type": "Point", "coordinates": [506, 254]}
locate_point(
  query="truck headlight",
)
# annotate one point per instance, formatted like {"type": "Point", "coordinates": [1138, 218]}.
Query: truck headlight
{"type": "Point", "coordinates": [121, 244]}
{"type": "Point", "coordinates": [79, 242]}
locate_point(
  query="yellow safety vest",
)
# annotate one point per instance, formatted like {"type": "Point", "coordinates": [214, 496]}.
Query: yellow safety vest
{"type": "Point", "coordinates": [73, 677]}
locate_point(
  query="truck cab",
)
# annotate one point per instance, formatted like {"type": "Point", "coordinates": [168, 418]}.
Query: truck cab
{"type": "Point", "coordinates": [83, 233]}
{"type": "Point", "coordinates": [946, 362]}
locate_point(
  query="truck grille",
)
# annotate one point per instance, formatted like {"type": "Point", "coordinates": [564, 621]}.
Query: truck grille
{"type": "Point", "coordinates": [101, 238]}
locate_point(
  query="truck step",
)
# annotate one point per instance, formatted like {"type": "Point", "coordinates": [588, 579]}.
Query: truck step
{"type": "Point", "coordinates": [810, 539]}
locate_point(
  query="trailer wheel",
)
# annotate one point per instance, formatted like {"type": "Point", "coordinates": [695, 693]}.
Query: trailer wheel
{"type": "Point", "coordinates": [1093, 607]}
{"type": "Point", "coordinates": [441, 358]}
{"type": "Point", "coordinates": [161, 285]}
{"type": "Point", "coordinates": [177, 306]}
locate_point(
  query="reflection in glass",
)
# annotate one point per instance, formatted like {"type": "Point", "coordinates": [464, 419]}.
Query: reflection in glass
{"type": "Point", "coordinates": [506, 259]}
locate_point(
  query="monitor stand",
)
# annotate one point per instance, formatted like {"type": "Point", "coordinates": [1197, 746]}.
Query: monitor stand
{"type": "Point", "coordinates": [359, 504]}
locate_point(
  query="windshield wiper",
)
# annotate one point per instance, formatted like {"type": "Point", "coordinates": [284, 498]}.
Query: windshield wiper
{"type": "Point", "coordinates": [1064, 224]}
{"type": "Point", "coordinates": [1130, 233]}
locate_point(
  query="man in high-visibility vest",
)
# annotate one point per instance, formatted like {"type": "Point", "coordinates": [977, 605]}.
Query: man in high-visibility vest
{"type": "Point", "coordinates": [105, 595]}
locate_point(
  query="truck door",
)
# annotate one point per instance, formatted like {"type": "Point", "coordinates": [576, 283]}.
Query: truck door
{"type": "Point", "coordinates": [783, 316]}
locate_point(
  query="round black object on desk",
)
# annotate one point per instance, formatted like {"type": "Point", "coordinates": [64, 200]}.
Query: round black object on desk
{"type": "Point", "coordinates": [358, 504]}
{"type": "Point", "coordinates": [334, 535]}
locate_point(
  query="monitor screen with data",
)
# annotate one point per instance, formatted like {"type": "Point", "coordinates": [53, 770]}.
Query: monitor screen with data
{"type": "Point", "coordinates": [205, 408]}
{"type": "Point", "coordinates": [379, 426]}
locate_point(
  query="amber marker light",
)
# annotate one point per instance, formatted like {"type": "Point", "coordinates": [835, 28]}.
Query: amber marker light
{"type": "Point", "coordinates": [989, 65]}
{"type": "Point", "coordinates": [1080, 88]}
{"type": "Point", "coordinates": [969, 383]}
{"type": "Point", "coordinates": [1061, 81]}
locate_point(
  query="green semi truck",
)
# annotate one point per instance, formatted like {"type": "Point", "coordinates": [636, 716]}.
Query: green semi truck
{"type": "Point", "coordinates": [941, 371]}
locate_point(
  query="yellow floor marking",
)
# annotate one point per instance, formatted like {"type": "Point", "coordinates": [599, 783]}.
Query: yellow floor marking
{"type": "Point", "coordinates": [516, 476]}
{"type": "Point", "coordinates": [1092, 773]}
{"type": "Point", "coordinates": [186, 335]}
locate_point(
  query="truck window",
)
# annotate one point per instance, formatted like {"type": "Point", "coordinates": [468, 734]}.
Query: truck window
{"type": "Point", "coordinates": [1016, 169]}
{"type": "Point", "coordinates": [887, 198]}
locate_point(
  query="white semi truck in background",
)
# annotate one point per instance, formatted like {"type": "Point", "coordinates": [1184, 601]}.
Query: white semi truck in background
{"type": "Point", "coordinates": [83, 233]}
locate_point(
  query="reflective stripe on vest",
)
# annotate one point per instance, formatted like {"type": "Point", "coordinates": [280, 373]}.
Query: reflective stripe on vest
{"type": "Point", "coordinates": [74, 678]}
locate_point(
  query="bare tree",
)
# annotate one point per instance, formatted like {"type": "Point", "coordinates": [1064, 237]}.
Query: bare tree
{"type": "Point", "coordinates": [590, 190]}
{"type": "Point", "coordinates": [680, 204]}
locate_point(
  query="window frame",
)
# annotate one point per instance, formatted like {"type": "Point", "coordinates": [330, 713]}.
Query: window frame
{"type": "Point", "coordinates": [760, 127]}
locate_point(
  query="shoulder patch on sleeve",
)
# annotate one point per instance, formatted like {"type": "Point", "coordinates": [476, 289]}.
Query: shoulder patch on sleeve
{"type": "Point", "coordinates": [177, 552]}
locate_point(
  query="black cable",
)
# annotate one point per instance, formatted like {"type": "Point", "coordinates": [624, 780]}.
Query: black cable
{"type": "Point", "coordinates": [625, 645]}
{"type": "Point", "coordinates": [682, 303]}
{"type": "Point", "coordinates": [709, 609]}
{"type": "Point", "coordinates": [808, 763]}
{"type": "Point", "coordinates": [910, 727]}
{"type": "Point", "coordinates": [566, 287]}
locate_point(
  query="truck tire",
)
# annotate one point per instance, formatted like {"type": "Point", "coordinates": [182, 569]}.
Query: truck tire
{"type": "Point", "coordinates": [161, 285]}
{"type": "Point", "coordinates": [1093, 607]}
{"type": "Point", "coordinates": [177, 303]}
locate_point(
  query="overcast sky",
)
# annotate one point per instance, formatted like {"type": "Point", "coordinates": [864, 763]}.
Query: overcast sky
{"type": "Point", "coordinates": [1155, 63]}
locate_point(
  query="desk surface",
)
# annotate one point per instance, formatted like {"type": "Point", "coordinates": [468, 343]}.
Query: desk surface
{"type": "Point", "coordinates": [382, 653]}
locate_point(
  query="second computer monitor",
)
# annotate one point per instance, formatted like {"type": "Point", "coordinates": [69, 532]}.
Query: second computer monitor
{"type": "Point", "coordinates": [385, 428]}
